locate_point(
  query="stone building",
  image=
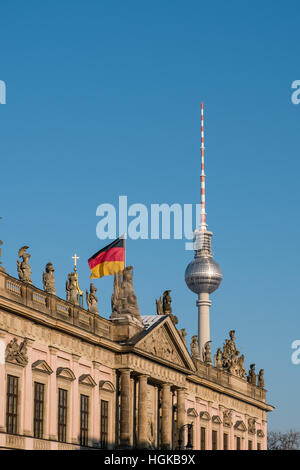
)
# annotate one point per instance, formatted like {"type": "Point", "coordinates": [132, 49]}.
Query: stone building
{"type": "Point", "coordinates": [71, 379]}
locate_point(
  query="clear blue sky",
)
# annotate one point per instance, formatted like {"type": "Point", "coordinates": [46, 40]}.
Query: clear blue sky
{"type": "Point", "coordinates": [103, 99]}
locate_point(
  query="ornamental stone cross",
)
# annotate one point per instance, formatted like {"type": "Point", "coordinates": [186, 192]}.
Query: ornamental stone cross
{"type": "Point", "coordinates": [75, 258]}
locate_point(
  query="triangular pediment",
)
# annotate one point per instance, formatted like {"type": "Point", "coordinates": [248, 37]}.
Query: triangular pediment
{"type": "Point", "coordinates": [260, 433]}
{"type": "Point", "coordinates": [216, 419]}
{"type": "Point", "coordinates": [65, 373]}
{"type": "Point", "coordinates": [164, 342]}
{"type": "Point", "coordinates": [42, 366]}
{"type": "Point", "coordinates": [192, 412]}
{"type": "Point", "coordinates": [205, 415]}
{"type": "Point", "coordinates": [87, 379]}
{"type": "Point", "coordinates": [240, 426]}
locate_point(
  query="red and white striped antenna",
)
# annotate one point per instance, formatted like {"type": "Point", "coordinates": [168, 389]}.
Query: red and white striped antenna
{"type": "Point", "coordinates": [203, 224]}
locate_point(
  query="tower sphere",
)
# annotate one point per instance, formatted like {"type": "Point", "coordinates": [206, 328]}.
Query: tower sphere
{"type": "Point", "coordinates": [203, 275]}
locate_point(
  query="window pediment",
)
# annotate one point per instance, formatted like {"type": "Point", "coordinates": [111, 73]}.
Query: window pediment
{"type": "Point", "coordinates": [87, 379]}
{"type": "Point", "coordinates": [216, 419]}
{"type": "Point", "coordinates": [192, 412]}
{"type": "Point", "coordinates": [65, 373]}
{"type": "Point", "coordinates": [260, 433]}
{"type": "Point", "coordinates": [42, 366]}
{"type": "Point", "coordinates": [205, 415]}
{"type": "Point", "coordinates": [240, 426]}
{"type": "Point", "coordinates": [106, 385]}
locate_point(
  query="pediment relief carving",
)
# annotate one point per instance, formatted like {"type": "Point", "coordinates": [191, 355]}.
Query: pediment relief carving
{"type": "Point", "coordinates": [159, 344]}
{"type": "Point", "coordinates": [240, 426]}
{"type": "Point", "coordinates": [87, 379]}
{"type": "Point", "coordinates": [65, 373]}
{"type": "Point", "coordinates": [42, 366]}
{"type": "Point", "coordinates": [205, 415]}
{"type": "Point", "coordinates": [216, 419]}
{"type": "Point", "coordinates": [192, 412]}
{"type": "Point", "coordinates": [260, 433]}
{"type": "Point", "coordinates": [106, 385]}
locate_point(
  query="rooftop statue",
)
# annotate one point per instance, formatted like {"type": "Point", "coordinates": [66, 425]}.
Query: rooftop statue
{"type": "Point", "coordinates": [91, 299]}
{"type": "Point", "coordinates": [252, 375]}
{"type": "Point", "coordinates": [124, 300]}
{"type": "Point", "coordinates": [218, 359]}
{"type": "Point", "coordinates": [164, 307]}
{"type": "Point", "coordinates": [49, 279]}
{"type": "Point", "coordinates": [71, 289]}
{"type": "Point", "coordinates": [229, 359]}
{"type": "Point", "coordinates": [24, 270]}
{"type": "Point", "coordinates": [260, 379]}
{"type": "Point", "coordinates": [182, 333]}
{"type": "Point", "coordinates": [207, 353]}
{"type": "Point", "coordinates": [195, 347]}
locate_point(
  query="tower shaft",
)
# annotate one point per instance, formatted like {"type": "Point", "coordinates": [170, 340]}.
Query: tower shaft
{"type": "Point", "coordinates": [203, 303]}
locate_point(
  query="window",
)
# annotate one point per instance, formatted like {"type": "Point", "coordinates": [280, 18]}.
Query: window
{"type": "Point", "coordinates": [12, 404]}
{"type": "Point", "coordinates": [104, 424]}
{"type": "Point", "coordinates": [225, 441]}
{"type": "Point", "coordinates": [84, 420]}
{"type": "Point", "coordinates": [238, 443]}
{"type": "Point", "coordinates": [202, 439]}
{"type": "Point", "coordinates": [214, 440]}
{"type": "Point", "coordinates": [258, 446]}
{"type": "Point", "coordinates": [62, 414]}
{"type": "Point", "coordinates": [38, 417]}
{"type": "Point", "coordinates": [249, 445]}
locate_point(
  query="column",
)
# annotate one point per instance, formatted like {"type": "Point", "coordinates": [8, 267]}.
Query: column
{"type": "Point", "coordinates": [166, 418]}
{"type": "Point", "coordinates": [142, 412]}
{"type": "Point", "coordinates": [52, 396]}
{"type": "Point", "coordinates": [203, 303]}
{"type": "Point", "coordinates": [180, 415]}
{"type": "Point", "coordinates": [95, 420]}
{"type": "Point", "coordinates": [125, 408]}
{"type": "Point", "coordinates": [2, 382]}
{"type": "Point", "coordinates": [75, 409]}
{"type": "Point", "coordinates": [26, 405]}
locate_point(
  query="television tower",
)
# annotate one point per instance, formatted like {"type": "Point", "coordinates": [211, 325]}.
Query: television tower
{"type": "Point", "coordinates": [203, 275]}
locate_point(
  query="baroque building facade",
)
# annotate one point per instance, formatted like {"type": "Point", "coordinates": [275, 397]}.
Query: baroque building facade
{"type": "Point", "coordinates": [71, 379]}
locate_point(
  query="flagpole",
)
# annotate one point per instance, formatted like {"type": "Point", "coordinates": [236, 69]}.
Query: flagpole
{"type": "Point", "coordinates": [125, 238]}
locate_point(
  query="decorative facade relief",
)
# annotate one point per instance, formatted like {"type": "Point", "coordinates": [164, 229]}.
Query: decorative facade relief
{"type": "Point", "coordinates": [17, 353]}
{"type": "Point", "coordinates": [159, 344]}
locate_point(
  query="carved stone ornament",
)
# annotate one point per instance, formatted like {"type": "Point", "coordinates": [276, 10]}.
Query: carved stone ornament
{"type": "Point", "coordinates": [251, 425]}
{"type": "Point", "coordinates": [24, 270]}
{"type": "Point", "coordinates": [91, 299]}
{"type": "Point", "coordinates": [158, 343]}
{"type": "Point", "coordinates": [260, 379]}
{"type": "Point", "coordinates": [229, 359]}
{"type": "Point", "coordinates": [195, 347]}
{"type": "Point", "coordinates": [17, 353]}
{"type": "Point", "coordinates": [206, 354]}
{"type": "Point", "coordinates": [49, 279]}
{"type": "Point", "coordinates": [163, 307]}
{"type": "Point", "coordinates": [182, 333]}
{"type": "Point", "coordinates": [124, 301]}
{"type": "Point", "coordinates": [252, 375]}
{"type": "Point", "coordinates": [227, 418]}
{"type": "Point", "coordinates": [71, 289]}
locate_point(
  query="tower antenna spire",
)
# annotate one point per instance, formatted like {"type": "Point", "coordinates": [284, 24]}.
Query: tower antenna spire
{"type": "Point", "coordinates": [203, 224]}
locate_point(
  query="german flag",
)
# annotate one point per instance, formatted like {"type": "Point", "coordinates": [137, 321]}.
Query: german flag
{"type": "Point", "coordinates": [109, 260]}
